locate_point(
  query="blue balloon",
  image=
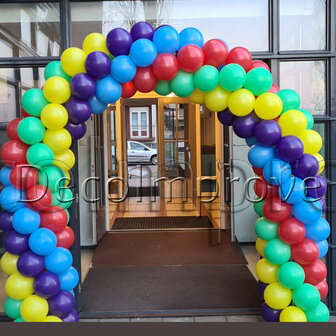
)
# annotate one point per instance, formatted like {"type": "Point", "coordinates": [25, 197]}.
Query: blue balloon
{"type": "Point", "coordinates": [323, 248]}
{"type": "Point", "coordinates": [71, 292]}
{"type": "Point", "coordinates": [4, 176]}
{"type": "Point", "coordinates": [166, 40]}
{"type": "Point", "coordinates": [26, 221]}
{"type": "Point", "coordinates": [191, 36]}
{"type": "Point", "coordinates": [143, 52]}
{"type": "Point", "coordinates": [318, 230]}
{"type": "Point", "coordinates": [97, 106]}
{"type": "Point", "coordinates": [11, 199]}
{"type": "Point", "coordinates": [69, 279]}
{"type": "Point", "coordinates": [307, 211]}
{"type": "Point", "coordinates": [123, 69]}
{"type": "Point", "coordinates": [292, 190]}
{"type": "Point", "coordinates": [277, 171]}
{"type": "Point", "coordinates": [108, 90]}
{"type": "Point", "coordinates": [259, 155]}
{"type": "Point", "coordinates": [251, 141]}
{"type": "Point", "coordinates": [42, 241]}
{"type": "Point", "coordinates": [58, 261]}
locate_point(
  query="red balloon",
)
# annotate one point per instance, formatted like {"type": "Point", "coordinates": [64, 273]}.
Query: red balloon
{"type": "Point", "coordinates": [14, 152]}
{"type": "Point", "coordinates": [259, 64]}
{"type": "Point", "coordinates": [305, 252]}
{"type": "Point", "coordinates": [128, 89]}
{"type": "Point", "coordinates": [165, 67]}
{"type": "Point", "coordinates": [265, 190]}
{"type": "Point", "coordinates": [54, 219]}
{"type": "Point", "coordinates": [190, 58]}
{"type": "Point", "coordinates": [24, 114]}
{"type": "Point", "coordinates": [65, 238]}
{"type": "Point", "coordinates": [215, 53]}
{"type": "Point", "coordinates": [40, 197]}
{"type": "Point", "coordinates": [322, 287]}
{"type": "Point", "coordinates": [23, 177]}
{"type": "Point", "coordinates": [315, 272]}
{"type": "Point", "coordinates": [291, 231]}
{"type": "Point", "coordinates": [258, 171]}
{"type": "Point", "coordinates": [241, 56]}
{"type": "Point", "coordinates": [275, 210]}
{"type": "Point", "coordinates": [12, 129]}
{"type": "Point", "coordinates": [274, 88]}
{"type": "Point", "coordinates": [144, 80]}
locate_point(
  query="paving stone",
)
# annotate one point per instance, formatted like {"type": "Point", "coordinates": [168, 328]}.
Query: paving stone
{"type": "Point", "coordinates": [115, 320]}
{"type": "Point", "coordinates": [210, 319]}
{"type": "Point", "coordinates": [147, 319]}
{"type": "Point", "coordinates": [178, 319]}
{"type": "Point", "coordinates": [243, 318]}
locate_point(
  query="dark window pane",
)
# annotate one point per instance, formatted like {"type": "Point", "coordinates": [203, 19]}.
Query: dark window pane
{"type": "Point", "coordinates": [320, 128]}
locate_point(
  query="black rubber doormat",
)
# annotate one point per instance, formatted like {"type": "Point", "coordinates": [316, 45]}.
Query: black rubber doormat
{"type": "Point", "coordinates": [154, 223]}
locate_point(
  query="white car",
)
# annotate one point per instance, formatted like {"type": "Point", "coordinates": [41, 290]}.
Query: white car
{"type": "Point", "coordinates": [140, 153]}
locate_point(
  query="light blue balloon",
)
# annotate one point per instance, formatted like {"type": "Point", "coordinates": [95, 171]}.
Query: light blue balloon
{"type": "Point", "coordinates": [4, 176]}
{"type": "Point", "coordinates": [97, 106]}
{"type": "Point", "coordinates": [108, 90]}
{"type": "Point", "coordinates": [42, 241]}
{"type": "Point", "coordinates": [259, 155]}
{"type": "Point", "coordinates": [58, 261]}
{"type": "Point", "coordinates": [323, 248]}
{"type": "Point", "coordinates": [166, 40]}
{"type": "Point", "coordinates": [69, 279]}
{"type": "Point", "coordinates": [11, 199]}
{"type": "Point", "coordinates": [143, 52]}
{"type": "Point", "coordinates": [123, 69]}
{"type": "Point", "coordinates": [191, 36]}
{"type": "Point", "coordinates": [277, 171]}
{"type": "Point", "coordinates": [307, 211]}
{"type": "Point", "coordinates": [292, 190]}
{"type": "Point", "coordinates": [251, 141]}
{"type": "Point", "coordinates": [26, 221]}
{"type": "Point", "coordinates": [318, 230]}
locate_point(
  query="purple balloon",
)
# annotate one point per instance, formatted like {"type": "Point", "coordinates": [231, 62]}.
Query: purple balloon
{"type": "Point", "coordinates": [306, 165]}
{"type": "Point", "coordinates": [79, 110]}
{"type": "Point", "coordinates": [226, 117]}
{"type": "Point", "coordinates": [72, 317]}
{"type": "Point", "coordinates": [269, 314]}
{"type": "Point", "coordinates": [16, 243]}
{"type": "Point", "coordinates": [244, 126]}
{"type": "Point", "coordinates": [82, 86]}
{"type": "Point", "coordinates": [62, 304]}
{"type": "Point", "coordinates": [119, 41]}
{"type": "Point", "coordinates": [6, 219]}
{"type": "Point", "coordinates": [261, 288]}
{"type": "Point", "coordinates": [268, 132]}
{"type": "Point", "coordinates": [76, 131]}
{"type": "Point", "coordinates": [142, 30]}
{"type": "Point", "coordinates": [289, 148]}
{"type": "Point", "coordinates": [316, 186]}
{"type": "Point", "coordinates": [30, 264]}
{"type": "Point", "coordinates": [323, 204]}
{"type": "Point", "coordinates": [47, 284]}
{"type": "Point", "coordinates": [98, 64]}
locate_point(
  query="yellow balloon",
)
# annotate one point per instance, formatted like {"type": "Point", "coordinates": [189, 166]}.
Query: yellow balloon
{"type": "Point", "coordinates": [217, 99]}
{"type": "Point", "coordinates": [268, 106]}
{"type": "Point", "coordinates": [241, 102]}
{"type": "Point", "coordinates": [8, 263]}
{"type": "Point", "coordinates": [73, 61]}
{"type": "Point", "coordinates": [57, 90]}
{"type": "Point", "coordinates": [34, 308]}
{"type": "Point", "coordinates": [321, 162]}
{"type": "Point", "coordinates": [197, 97]}
{"type": "Point", "coordinates": [260, 246]}
{"type": "Point", "coordinates": [311, 140]}
{"type": "Point", "coordinates": [292, 122]}
{"type": "Point", "coordinates": [18, 287]}
{"type": "Point", "coordinates": [52, 318]}
{"type": "Point", "coordinates": [267, 272]}
{"type": "Point", "coordinates": [58, 140]}
{"type": "Point", "coordinates": [277, 296]}
{"type": "Point", "coordinates": [95, 42]}
{"type": "Point", "coordinates": [65, 160]}
{"type": "Point", "coordinates": [292, 314]}
{"type": "Point", "coordinates": [54, 116]}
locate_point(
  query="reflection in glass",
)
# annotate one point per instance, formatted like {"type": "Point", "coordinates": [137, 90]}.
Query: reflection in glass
{"type": "Point", "coordinates": [171, 163]}
{"type": "Point", "coordinates": [169, 121]}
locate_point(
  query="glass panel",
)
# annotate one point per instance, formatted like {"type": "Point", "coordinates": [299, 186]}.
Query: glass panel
{"type": "Point", "coordinates": [320, 128]}
{"type": "Point", "coordinates": [182, 116]}
{"type": "Point", "coordinates": [245, 21]}
{"type": "Point", "coordinates": [169, 121]}
{"type": "Point", "coordinates": [30, 29]}
{"type": "Point", "coordinates": [170, 160]}
{"type": "Point", "coordinates": [302, 24]}
{"type": "Point", "coordinates": [308, 78]}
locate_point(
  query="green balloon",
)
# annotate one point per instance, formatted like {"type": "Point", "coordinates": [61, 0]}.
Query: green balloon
{"type": "Point", "coordinates": [12, 308]}
{"type": "Point", "coordinates": [62, 198]}
{"type": "Point", "coordinates": [52, 177]}
{"type": "Point", "coordinates": [306, 296]}
{"type": "Point", "coordinates": [258, 81]}
{"type": "Point", "coordinates": [320, 313]}
{"type": "Point", "coordinates": [258, 207]}
{"type": "Point", "coordinates": [183, 84]}
{"type": "Point", "coordinates": [33, 102]}
{"type": "Point", "coordinates": [291, 275]}
{"type": "Point", "coordinates": [277, 252]}
{"type": "Point", "coordinates": [232, 77]}
{"type": "Point", "coordinates": [265, 229]}
{"type": "Point", "coordinates": [309, 117]}
{"type": "Point", "coordinates": [163, 88]}
{"type": "Point", "coordinates": [290, 100]}
{"type": "Point", "coordinates": [40, 155]}
{"type": "Point", "coordinates": [206, 78]}
{"type": "Point", "coordinates": [111, 57]}
{"type": "Point", "coordinates": [20, 319]}
{"type": "Point", "coordinates": [53, 69]}
{"type": "Point", "coordinates": [30, 130]}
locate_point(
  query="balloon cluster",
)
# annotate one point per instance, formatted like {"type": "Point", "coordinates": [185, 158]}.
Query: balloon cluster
{"type": "Point", "coordinates": [284, 155]}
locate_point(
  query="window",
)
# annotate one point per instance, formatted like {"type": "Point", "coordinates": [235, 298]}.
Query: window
{"type": "Point", "coordinates": [137, 146]}
{"type": "Point", "coordinates": [139, 122]}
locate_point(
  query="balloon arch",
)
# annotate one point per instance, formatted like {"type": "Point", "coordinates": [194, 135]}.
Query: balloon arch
{"type": "Point", "coordinates": [284, 155]}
